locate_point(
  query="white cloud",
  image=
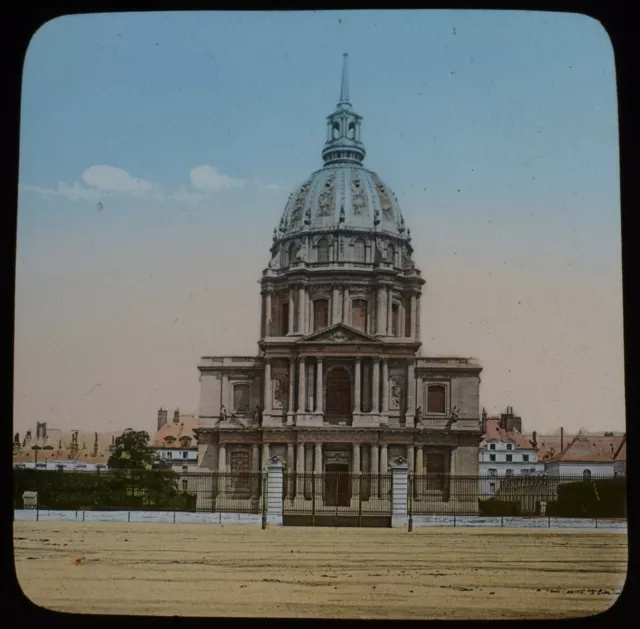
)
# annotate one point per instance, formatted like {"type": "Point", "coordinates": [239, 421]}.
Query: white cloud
{"type": "Point", "coordinates": [208, 178]}
{"type": "Point", "coordinates": [110, 179]}
{"type": "Point", "coordinates": [73, 193]}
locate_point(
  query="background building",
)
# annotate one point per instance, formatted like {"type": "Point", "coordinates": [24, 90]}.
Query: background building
{"type": "Point", "coordinates": [175, 442]}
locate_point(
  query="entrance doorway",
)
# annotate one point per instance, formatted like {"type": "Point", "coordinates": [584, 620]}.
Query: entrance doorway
{"type": "Point", "coordinates": [338, 387]}
{"type": "Point", "coordinates": [337, 485]}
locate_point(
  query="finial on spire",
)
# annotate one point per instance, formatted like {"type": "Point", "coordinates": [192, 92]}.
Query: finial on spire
{"type": "Point", "coordinates": [344, 89]}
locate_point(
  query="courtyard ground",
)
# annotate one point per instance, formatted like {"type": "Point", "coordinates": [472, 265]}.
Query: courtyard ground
{"type": "Point", "coordinates": [208, 570]}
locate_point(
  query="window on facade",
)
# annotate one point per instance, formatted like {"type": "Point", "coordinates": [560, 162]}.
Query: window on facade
{"type": "Point", "coordinates": [525, 457]}
{"type": "Point", "coordinates": [184, 468]}
{"type": "Point", "coordinates": [184, 484]}
{"type": "Point", "coordinates": [241, 398]}
{"type": "Point", "coordinates": [436, 471]}
{"type": "Point", "coordinates": [492, 446]}
{"type": "Point", "coordinates": [586, 475]}
{"type": "Point", "coordinates": [509, 446]}
{"type": "Point", "coordinates": [169, 455]}
{"type": "Point", "coordinates": [323, 250]}
{"type": "Point", "coordinates": [492, 457]}
{"type": "Point", "coordinates": [359, 314]}
{"type": "Point", "coordinates": [320, 314]}
{"type": "Point", "coordinates": [509, 472]}
{"type": "Point", "coordinates": [436, 398]}
{"type": "Point", "coordinates": [492, 487]}
{"type": "Point", "coordinates": [284, 319]}
{"type": "Point", "coordinates": [359, 250]}
{"type": "Point", "coordinates": [509, 457]}
{"type": "Point", "coordinates": [493, 472]}
{"type": "Point", "coordinates": [395, 318]}
{"type": "Point", "coordinates": [524, 472]}
{"type": "Point", "coordinates": [185, 455]}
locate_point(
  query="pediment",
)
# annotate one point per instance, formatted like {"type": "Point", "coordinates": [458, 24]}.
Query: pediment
{"type": "Point", "coordinates": [339, 334]}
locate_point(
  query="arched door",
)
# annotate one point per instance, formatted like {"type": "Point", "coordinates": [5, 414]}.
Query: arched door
{"type": "Point", "coordinates": [338, 398]}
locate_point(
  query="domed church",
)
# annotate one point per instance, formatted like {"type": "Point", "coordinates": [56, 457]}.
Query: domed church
{"type": "Point", "coordinates": [339, 383]}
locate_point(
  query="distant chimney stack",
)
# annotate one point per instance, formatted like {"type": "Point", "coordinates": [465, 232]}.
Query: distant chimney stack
{"type": "Point", "coordinates": [176, 416]}
{"type": "Point", "coordinates": [534, 440]}
{"type": "Point", "coordinates": [561, 439]}
{"type": "Point", "coordinates": [162, 417]}
{"type": "Point", "coordinates": [95, 444]}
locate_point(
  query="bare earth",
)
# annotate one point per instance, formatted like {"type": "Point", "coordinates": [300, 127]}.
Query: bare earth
{"type": "Point", "coordinates": [431, 573]}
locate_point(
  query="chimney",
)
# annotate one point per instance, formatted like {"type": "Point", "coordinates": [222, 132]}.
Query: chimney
{"type": "Point", "coordinates": [484, 420]}
{"type": "Point", "coordinates": [44, 430]}
{"type": "Point", "coordinates": [561, 439]}
{"type": "Point", "coordinates": [95, 444]}
{"type": "Point", "coordinates": [162, 417]}
{"type": "Point", "coordinates": [16, 438]}
{"type": "Point", "coordinates": [534, 440]}
{"type": "Point", "coordinates": [176, 416]}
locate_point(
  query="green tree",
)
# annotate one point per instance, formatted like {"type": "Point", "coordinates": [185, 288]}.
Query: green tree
{"type": "Point", "coordinates": [132, 451]}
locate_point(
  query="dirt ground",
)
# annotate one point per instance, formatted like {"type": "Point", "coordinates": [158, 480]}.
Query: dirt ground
{"type": "Point", "coordinates": [431, 573]}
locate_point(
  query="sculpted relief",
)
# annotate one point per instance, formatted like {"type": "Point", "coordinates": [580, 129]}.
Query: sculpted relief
{"type": "Point", "coordinates": [358, 196]}
{"type": "Point", "coordinates": [296, 214]}
{"type": "Point", "coordinates": [396, 386]}
{"type": "Point", "coordinates": [326, 200]}
{"type": "Point", "coordinates": [385, 201]}
{"type": "Point", "coordinates": [280, 392]}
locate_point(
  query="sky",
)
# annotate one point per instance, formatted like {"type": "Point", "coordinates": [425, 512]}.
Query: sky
{"type": "Point", "coordinates": [158, 151]}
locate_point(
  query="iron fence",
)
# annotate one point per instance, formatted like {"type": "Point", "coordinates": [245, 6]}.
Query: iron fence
{"type": "Point", "coordinates": [325, 498]}
{"type": "Point", "coordinates": [568, 495]}
{"type": "Point", "coordinates": [142, 490]}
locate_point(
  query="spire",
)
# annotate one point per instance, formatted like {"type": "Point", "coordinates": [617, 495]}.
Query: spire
{"type": "Point", "coordinates": [343, 128]}
{"type": "Point", "coordinates": [344, 89]}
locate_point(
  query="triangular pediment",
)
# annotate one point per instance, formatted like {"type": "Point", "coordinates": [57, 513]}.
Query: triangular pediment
{"type": "Point", "coordinates": [339, 334]}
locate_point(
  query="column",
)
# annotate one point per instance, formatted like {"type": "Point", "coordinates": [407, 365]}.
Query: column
{"type": "Point", "coordinates": [301, 385]}
{"type": "Point", "coordinates": [300, 470]}
{"type": "Point", "coordinates": [356, 458]}
{"type": "Point", "coordinates": [319, 391]}
{"type": "Point", "coordinates": [301, 309]}
{"type": "Point", "coordinates": [265, 456]}
{"type": "Point", "coordinates": [291, 310]}
{"type": "Point", "coordinates": [357, 387]}
{"type": "Point", "coordinates": [389, 311]}
{"type": "Point", "coordinates": [267, 386]}
{"type": "Point", "coordinates": [411, 455]}
{"type": "Point", "coordinates": [385, 385]}
{"type": "Point", "coordinates": [375, 397]}
{"type": "Point", "coordinates": [418, 318]}
{"type": "Point", "coordinates": [346, 306]}
{"type": "Point", "coordinates": [290, 470]}
{"type": "Point", "coordinates": [374, 469]}
{"type": "Point", "coordinates": [292, 378]}
{"type": "Point", "coordinates": [307, 301]}
{"type": "Point", "coordinates": [255, 471]}
{"type": "Point", "coordinates": [267, 315]}
{"type": "Point", "coordinates": [224, 392]}
{"type": "Point", "coordinates": [414, 309]}
{"type": "Point", "coordinates": [222, 468]}
{"type": "Point", "coordinates": [411, 389]}
{"type": "Point", "coordinates": [317, 458]}
{"type": "Point", "coordinates": [309, 381]}
{"type": "Point", "coordinates": [401, 319]}
{"type": "Point", "coordinates": [418, 484]}
{"type": "Point", "coordinates": [384, 458]}
{"type": "Point", "coordinates": [380, 314]}
{"type": "Point", "coordinates": [335, 317]}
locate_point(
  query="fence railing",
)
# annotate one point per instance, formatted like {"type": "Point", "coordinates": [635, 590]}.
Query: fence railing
{"type": "Point", "coordinates": [567, 495]}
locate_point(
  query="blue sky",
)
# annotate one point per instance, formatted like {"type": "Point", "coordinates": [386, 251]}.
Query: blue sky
{"type": "Point", "coordinates": [496, 130]}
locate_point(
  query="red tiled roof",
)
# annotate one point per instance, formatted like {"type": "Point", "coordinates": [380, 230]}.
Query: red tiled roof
{"type": "Point", "coordinates": [591, 449]}
{"type": "Point", "coordinates": [495, 432]}
{"type": "Point", "coordinates": [184, 428]}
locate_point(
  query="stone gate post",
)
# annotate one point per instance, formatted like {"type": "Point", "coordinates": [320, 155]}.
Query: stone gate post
{"type": "Point", "coordinates": [399, 485]}
{"type": "Point", "coordinates": [274, 492]}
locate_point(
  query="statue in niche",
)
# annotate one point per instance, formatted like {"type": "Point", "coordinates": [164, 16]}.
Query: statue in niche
{"type": "Point", "coordinates": [257, 415]}
{"type": "Point", "coordinates": [382, 247]}
{"type": "Point", "coordinates": [301, 253]}
{"type": "Point", "coordinates": [418, 416]}
{"type": "Point", "coordinates": [395, 400]}
{"type": "Point", "coordinates": [280, 396]}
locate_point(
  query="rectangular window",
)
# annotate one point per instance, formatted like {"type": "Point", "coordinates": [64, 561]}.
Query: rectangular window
{"type": "Point", "coordinates": [509, 457]}
{"type": "Point", "coordinates": [492, 457]}
{"type": "Point", "coordinates": [241, 395]}
{"type": "Point", "coordinates": [185, 455]}
{"type": "Point", "coordinates": [436, 398]}
{"type": "Point", "coordinates": [525, 457]}
{"type": "Point", "coordinates": [509, 446]}
{"type": "Point", "coordinates": [493, 472]}
{"type": "Point", "coordinates": [169, 455]}
{"type": "Point", "coordinates": [492, 446]}
{"type": "Point", "coordinates": [509, 472]}
{"type": "Point", "coordinates": [184, 484]}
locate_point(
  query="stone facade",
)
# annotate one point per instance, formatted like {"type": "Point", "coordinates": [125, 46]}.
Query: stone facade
{"type": "Point", "coordinates": [339, 383]}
